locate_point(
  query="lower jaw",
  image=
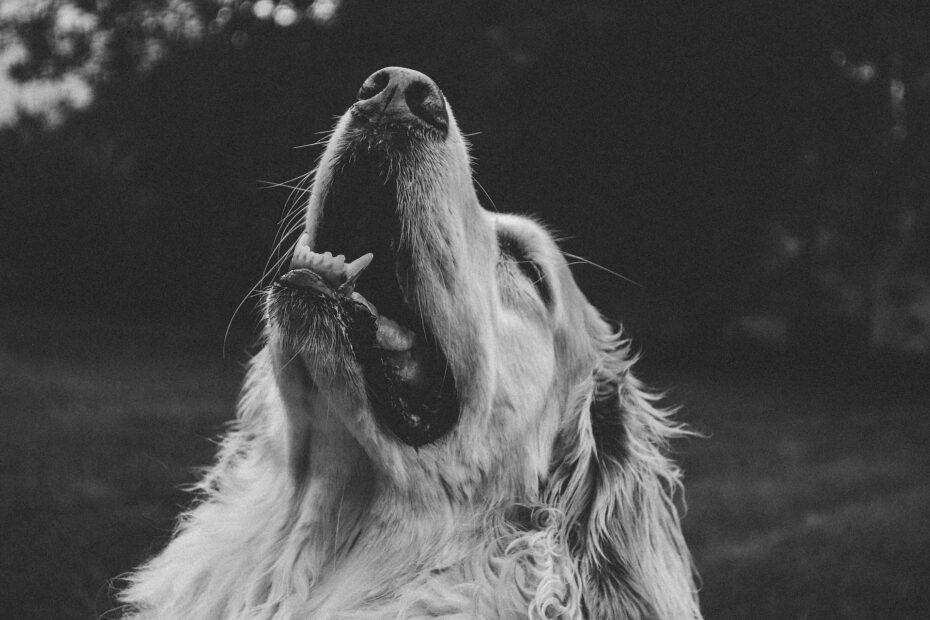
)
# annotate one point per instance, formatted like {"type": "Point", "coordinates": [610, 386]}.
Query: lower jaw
{"type": "Point", "coordinates": [410, 389]}
{"type": "Point", "coordinates": [412, 394]}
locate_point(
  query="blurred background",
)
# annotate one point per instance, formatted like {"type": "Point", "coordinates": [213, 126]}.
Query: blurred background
{"type": "Point", "coordinates": [758, 173]}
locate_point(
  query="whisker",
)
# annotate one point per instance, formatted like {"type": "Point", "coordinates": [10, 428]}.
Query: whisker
{"type": "Point", "coordinates": [582, 260]}
{"type": "Point", "coordinates": [297, 179]}
{"type": "Point", "coordinates": [288, 362]}
{"type": "Point", "coordinates": [285, 185]}
{"type": "Point", "coordinates": [288, 224]}
{"type": "Point", "coordinates": [321, 142]}
{"type": "Point", "coordinates": [342, 497]}
{"type": "Point", "coordinates": [326, 134]}
{"type": "Point", "coordinates": [487, 195]}
{"type": "Point", "coordinates": [254, 292]}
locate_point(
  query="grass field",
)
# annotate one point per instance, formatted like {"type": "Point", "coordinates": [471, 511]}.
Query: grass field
{"type": "Point", "coordinates": [809, 498]}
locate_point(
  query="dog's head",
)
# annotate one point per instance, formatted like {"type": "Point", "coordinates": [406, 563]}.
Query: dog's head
{"type": "Point", "coordinates": [462, 357]}
{"type": "Point", "coordinates": [460, 344]}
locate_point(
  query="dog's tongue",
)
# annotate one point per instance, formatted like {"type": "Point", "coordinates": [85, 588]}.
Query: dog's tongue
{"type": "Point", "coordinates": [393, 336]}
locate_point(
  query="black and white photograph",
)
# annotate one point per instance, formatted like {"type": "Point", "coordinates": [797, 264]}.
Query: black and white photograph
{"type": "Point", "coordinates": [441, 309]}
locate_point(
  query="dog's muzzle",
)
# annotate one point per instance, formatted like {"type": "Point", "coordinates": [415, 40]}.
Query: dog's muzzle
{"type": "Point", "coordinates": [370, 301]}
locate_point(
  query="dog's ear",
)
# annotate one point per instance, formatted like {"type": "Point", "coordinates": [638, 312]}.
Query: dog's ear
{"type": "Point", "coordinates": [614, 487]}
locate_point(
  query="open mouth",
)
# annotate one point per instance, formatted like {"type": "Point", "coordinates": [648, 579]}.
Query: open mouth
{"type": "Point", "coordinates": [408, 381]}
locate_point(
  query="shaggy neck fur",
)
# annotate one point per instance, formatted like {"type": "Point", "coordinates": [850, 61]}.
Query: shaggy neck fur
{"type": "Point", "coordinates": [262, 545]}
{"type": "Point", "coordinates": [550, 498]}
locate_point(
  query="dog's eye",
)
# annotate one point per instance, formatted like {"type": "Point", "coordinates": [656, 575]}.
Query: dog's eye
{"type": "Point", "coordinates": [512, 251]}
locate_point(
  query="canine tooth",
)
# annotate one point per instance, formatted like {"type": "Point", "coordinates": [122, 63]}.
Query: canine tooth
{"type": "Point", "coordinates": [352, 271]}
{"type": "Point", "coordinates": [356, 267]}
{"type": "Point", "coordinates": [334, 269]}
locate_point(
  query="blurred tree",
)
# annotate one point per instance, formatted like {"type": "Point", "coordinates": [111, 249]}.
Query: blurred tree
{"type": "Point", "coordinates": [146, 200]}
{"type": "Point", "coordinates": [853, 222]}
{"type": "Point", "coordinates": [664, 139]}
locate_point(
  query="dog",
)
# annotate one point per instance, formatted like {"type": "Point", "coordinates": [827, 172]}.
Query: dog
{"type": "Point", "coordinates": [442, 427]}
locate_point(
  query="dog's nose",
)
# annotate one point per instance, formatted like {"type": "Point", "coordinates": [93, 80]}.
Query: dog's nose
{"type": "Point", "coordinates": [402, 95]}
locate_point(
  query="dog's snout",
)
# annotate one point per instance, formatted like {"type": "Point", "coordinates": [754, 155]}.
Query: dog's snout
{"type": "Point", "coordinates": [402, 95]}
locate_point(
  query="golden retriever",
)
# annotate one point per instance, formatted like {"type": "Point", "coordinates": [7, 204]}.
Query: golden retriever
{"type": "Point", "coordinates": [443, 427]}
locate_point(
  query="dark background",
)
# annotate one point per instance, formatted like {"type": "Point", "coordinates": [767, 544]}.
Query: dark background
{"type": "Point", "coordinates": [760, 170]}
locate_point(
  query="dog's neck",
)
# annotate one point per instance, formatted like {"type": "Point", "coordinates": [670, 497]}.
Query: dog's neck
{"type": "Point", "coordinates": [355, 536]}
{"type": "Point", "coordinates": [344, 509]}
{"type": "Point", "coordinates": [310, 526]}
{"type": "Point", "coordinates": [362, 544]}
{"type": "Point", "coordinates": [331, 475]}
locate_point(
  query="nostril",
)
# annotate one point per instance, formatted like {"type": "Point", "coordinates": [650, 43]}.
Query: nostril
{"type": "Point", "coordinates": [401, 96]}
{"type": "Point", "coordinates": [424, 100]}
{"type": "Point", "coordinates": [373, 85]}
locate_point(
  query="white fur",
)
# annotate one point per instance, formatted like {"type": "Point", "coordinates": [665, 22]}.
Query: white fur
{"type": "Point", "coordinates": [312, 510]}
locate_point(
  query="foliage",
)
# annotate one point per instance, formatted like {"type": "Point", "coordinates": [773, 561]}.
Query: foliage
{"type": "Point", "coordinates": [769, 160]}
{"type": "Point", "coordinates": [851, 223]}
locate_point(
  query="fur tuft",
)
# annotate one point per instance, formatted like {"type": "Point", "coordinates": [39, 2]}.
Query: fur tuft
{"type": "Point", "coordinates": [617, 489]}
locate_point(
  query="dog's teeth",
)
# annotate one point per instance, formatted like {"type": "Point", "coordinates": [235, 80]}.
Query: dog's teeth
{"type": "Point", "coordinates": [356, 267]}
{"type": "Point", "coordinates": [352, 271]}
{"type": "Point", "coordinates": [300, 257]}
{"type": "Point", "coordinates": [334, 269]}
